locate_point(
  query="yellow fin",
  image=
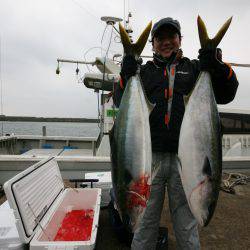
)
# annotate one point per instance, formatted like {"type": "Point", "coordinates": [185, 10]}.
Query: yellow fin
{"type": "Point", "coordinates": [186, 99]}
{"type": "Point", "coordinates": [134, 48]}
{"type": "Point", "coordinates": [205, 41]}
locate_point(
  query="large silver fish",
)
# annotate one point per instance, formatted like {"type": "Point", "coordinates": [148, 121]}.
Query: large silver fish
{"type": "Point", "coordinates": [200, 141]}
{"type": "Point", "coordinates": [130, 141]}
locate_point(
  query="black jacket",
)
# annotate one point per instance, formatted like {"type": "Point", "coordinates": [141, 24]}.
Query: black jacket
{"type": "Point", "coordinates": [164, 137]}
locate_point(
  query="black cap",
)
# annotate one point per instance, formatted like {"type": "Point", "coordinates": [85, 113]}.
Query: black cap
{"type": "Point", "coordinates": [166, 21]}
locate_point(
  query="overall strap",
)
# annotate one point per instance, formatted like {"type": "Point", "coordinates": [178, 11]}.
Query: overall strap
{"type": "Point", "coordinates": [169, 91]}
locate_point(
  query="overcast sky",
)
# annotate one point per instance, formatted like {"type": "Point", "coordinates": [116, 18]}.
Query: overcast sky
{"type": "Point", "coordinates": [34, 33]}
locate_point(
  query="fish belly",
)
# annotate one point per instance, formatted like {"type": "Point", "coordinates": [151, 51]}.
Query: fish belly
{"type": "Point", "coordinates": [199, 150]}
{"type": "Point", "coordinates": [131, 174]}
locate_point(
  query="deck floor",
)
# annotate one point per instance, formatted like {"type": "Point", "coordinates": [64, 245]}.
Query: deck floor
{"type": "Point", "coordinates": [229, 228]}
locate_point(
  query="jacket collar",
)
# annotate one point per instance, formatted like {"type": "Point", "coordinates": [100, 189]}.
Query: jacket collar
{"type": "Point", "coordinates": [160, 61]}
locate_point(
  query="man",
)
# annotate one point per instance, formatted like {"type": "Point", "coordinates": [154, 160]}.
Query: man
{"type": "Point", "coordinates": [166, 80]}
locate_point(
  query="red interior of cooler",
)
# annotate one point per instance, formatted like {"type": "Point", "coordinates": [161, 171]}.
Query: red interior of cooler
{"type": "Point", "coordinates": [74, 217]}
{"type": "Point", "coordinates": [76, 226]}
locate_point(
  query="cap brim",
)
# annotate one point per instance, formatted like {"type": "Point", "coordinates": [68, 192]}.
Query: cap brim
{"type": "Point", "coordinates": [162, 26]}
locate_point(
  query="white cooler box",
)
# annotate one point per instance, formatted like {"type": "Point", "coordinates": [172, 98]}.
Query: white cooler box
{"type": "Point", "coordinates": [105, 183]}
{"type": "Point", "coordinates": [40, 202]}
{"type": "Point", "coordinates": [9, 238]}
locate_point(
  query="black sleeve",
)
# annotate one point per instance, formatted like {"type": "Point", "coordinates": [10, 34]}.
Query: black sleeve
{"type": "Point", "coordinates": [225, 86]}
{"type": "Point", "coordinates": [224, 82]}
{"type": "Point", "coordinates": [119, 88]}
{"type": "Point", "coordinates": [118, 92]}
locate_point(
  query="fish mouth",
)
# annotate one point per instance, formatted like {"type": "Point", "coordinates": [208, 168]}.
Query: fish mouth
{"type": "Point", "coordinates": [200, 201]}
{"type": "Point", "coordinates": [205, 219]}
{"type": "Point", "coordinates": [211, 209]}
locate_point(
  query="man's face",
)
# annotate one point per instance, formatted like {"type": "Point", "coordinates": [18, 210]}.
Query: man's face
{"type": "Point", "coordinates": [166, 41]}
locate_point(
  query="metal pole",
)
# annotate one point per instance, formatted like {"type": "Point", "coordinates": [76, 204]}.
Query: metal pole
{"type": "Point", "coordinates": [44, 131]}
{"type": "Point", "coordinates": [1, 82]}
{"type": "Point", "coordinates": [75, 61]}
{"type": "Point", "coordinates": [240, 65]}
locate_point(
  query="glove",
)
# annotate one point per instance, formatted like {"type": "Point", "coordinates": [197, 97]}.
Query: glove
{"type": "Point", "coordinates": [129, 67]}
{"type": "Point", "coordinates": [211, 61]}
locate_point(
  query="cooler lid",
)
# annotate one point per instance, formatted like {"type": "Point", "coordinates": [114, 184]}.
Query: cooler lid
{"type": "Point", "coordinates": [31, 193]}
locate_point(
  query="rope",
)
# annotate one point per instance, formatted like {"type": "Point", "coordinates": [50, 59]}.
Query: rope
{"type": "Point", "coordinates": [84, 8]}
{"type": "Point", "coordinates": [87, 51]}
{"type": "Point", "coordinates": [240, 65]}
{"type": "Point", "coordinates": [232, 180]}
{"type": "Point", "coordinates": [103, 36]}
{"type": "Point", "coordinates": [104, 66]}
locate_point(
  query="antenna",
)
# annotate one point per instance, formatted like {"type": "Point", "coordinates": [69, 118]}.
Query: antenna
{"type": "Point", "coordinates": [110, 20]}
{"type": "Point", "coordinates": [128, 27]}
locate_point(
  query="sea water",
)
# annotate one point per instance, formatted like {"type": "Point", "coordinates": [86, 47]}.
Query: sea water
{"type": "Point", "coordinates": [52, 128]}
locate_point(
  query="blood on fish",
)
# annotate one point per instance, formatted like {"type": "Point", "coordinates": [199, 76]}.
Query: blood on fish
{"type": "Point", "coordinates": [76, 226]}
{"type": "Point", "coordinates": [139, 192]}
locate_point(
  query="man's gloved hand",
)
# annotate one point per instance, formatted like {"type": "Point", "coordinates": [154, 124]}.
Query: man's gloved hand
{"type": "Point", "coordinates": [129, 67]}
{"type": "Point", "coordinates": [211, 61]}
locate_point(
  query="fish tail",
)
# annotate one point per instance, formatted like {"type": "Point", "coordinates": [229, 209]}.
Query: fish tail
{"type": "Point", "coordinates": [134, 48]}
{"type": "Point", "coordinates": [205, 41]}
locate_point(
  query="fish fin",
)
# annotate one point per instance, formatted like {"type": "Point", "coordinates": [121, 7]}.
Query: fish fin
{"type": "Point", "coordinates": [134, 48]}
{"type": "Point", "coordinates": [113, 150]}
{"type": "Point", "coordinates": [206, 168]}
{"type": "Point", "coordinates": [127, 177]}
{"type": "Point", "coordinates": [179, 165]}
{"type": "Point", "coordinates": [127, 45]}
{"type": "Point", "coordinates": [205, 41]}
{"type": "Point", "coordinates": [150, 106]}
{"type": "Point", "coordinates": [186, 99]}
{"type": "Point", "coordinates": [141, 42]}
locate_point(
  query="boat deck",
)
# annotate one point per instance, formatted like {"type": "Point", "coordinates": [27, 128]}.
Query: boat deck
{"type": "Point", "coordinates": [229, 228]}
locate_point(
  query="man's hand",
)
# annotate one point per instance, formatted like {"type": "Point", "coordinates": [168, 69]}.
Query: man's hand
{"type": "Point", "coordinates": [129, 67]}
{"type": "Point", "coordinates": [211, 61]}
